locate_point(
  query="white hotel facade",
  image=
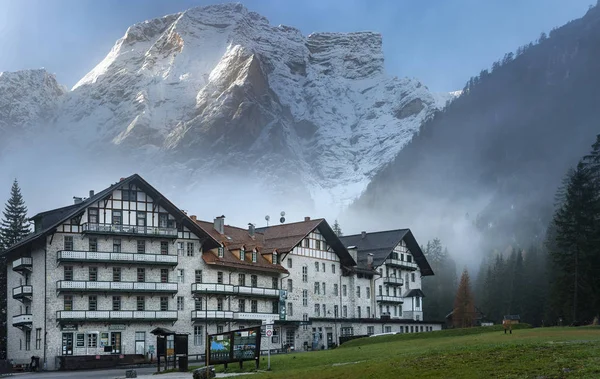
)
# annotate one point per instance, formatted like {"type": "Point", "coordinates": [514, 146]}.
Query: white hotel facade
{"type": "Point", "coordinates": [96, 277]}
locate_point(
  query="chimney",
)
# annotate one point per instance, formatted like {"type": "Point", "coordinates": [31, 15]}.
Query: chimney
{"type": "Point", "coordinates": [91, 193]}
{"type": "Point", "coordinates": [353, 253]}
{"type": "Point", "coordinates": [363, 234]}
{"type": "Point", "coordinates": [194, 218]}
{"type": "Point", "coordinates": [251, 229]}
{"type": "Point", "coordinates": [306, 218]}
{"type": "Point", "coordinates": [120, 180]}
{"type": "Point", "coordinates": [219, 224]}
{"type": "Point", "coordinates": [77, 200]}
{"type": "Point", "coordinates": [370, 260]}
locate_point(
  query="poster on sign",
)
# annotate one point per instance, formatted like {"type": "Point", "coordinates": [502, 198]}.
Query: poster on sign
{"type": "Point", "coordinates": [235, 346]}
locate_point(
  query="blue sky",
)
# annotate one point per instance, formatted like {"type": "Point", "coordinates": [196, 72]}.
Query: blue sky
{"type": "Point", "coordinates": [440, 42]}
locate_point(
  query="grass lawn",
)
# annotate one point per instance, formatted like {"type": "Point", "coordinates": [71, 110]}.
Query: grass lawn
{"type": "Point", "coordinates": [466, 353]}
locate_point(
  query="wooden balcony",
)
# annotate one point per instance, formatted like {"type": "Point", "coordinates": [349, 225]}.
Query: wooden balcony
{"type": "Point", "coordinates": [229, 289]}
{"type": "Point", "coordinates": [23, 264]}
{"type": "Point", "coordinates": [393, 281]}
{"type": "Point", "coordinates": [23, 293]}
{"type": "Point", "coordinates": [137, 287]}
{"type": "Point", "coordinates": [212, 315]}
{"type": "Point", "coordinates": [130, 258]}
{"type": "Point", "coordinates": [24, 321]}
{"type": "Point", "coordinates": [389, 299]}
{"type": "Point", "coordinates": [401, 264]}
{"type": "Point", "coordinates": [129, 230]}
{"type": "Point", "coordinates": [119, 316]}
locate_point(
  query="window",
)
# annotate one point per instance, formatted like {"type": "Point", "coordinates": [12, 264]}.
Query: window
{"type": "Point", "coordinates": [93, 274]}
{"type": "Point", "coordinates": [254, 256]}
{"type": "Point", "coordinates": [290, 309]}
{"type": "Point", "coordinates": [164, 247]}
{"type": "Point", "coordinates": [180, 249]}
{"type": "Point", "coordinates": [219, 328]}
{"type": "Point", "coordinates": [93, 244]}
{"type": "Point", "coordinates": [317, 266]}
{"type": "Point", "coordinates": [324, 292]}
{"type": "Point", "coordinates": [190, 249]}
{"type": "Point", "coordinates": [305, 298]}
{"type": "Point", "coordinates": [368, 311]}
{"type": "Point", "coordinates": [180, 276]}
{"type": "Point", "coordinates": [28, 340]}
{"type": "Point", "coordinates": [164, 275]}
{"type": "Point", "coordinates": [395, 310]}
{"type": "Point", "coordinates": [68, 243]}
{"type": "Point", "coordinates": [306, 242]}
{"type": "Point", "coordinates": [92, 303]}
{"type": "Point", "coordinates": [318, 245]}
{"type": "Point", "coordinates": [220, 277]}
{"type": "Point", "coordinates": [198, 276]}
{"type": "Point", "coordinates": [368, 292]}
{"type": "Point", "coordinates": [242, 305]}
{"type": "Point", "coordinates": [317, 286]}
{"type": "Point", "coordinates": [275, 258]}
{"type": "Point", "coordinates": [335, 290]}
{"type": "Point", "coordinates": [289, 262]}
{"type": "Point", "coordinates": [38, 338]}
{"type": "Point", "coordinates": [408, 258]}
{"type": "Point", "coordinates": [357, 291]}
{"type": "Point", "coordinates": [388, 329]}
{"type": "Point", "coordinates": [305, 319]}
{"type": "Point", "coordinates": [93, 215]}
{"type": "Point", "coordinates": [254, 281]}
{"type": "Point", "coordinates": [317, 310]}
{"type": "Point", "coordinates": [243, 254]}
{"type": "Point", "coordinates": [418, 302]}
{"type": "Point", "coordinates": [129, 195]}
{"type": "Point", "coordinates": [116, 245]}
{"type": "Point", "coordinates": [221, 252]}
{"type": "Point", "coordinates": [117, 217]}
{"type": "Point", "coordinates": [141, 247]}
{"type": "Point", "coordinates": [116, 274]}
{"type": "Point", "coordinates": [333, 269]}
{"type": "Point", "coordinates": [345, 311]}
{"type": "Point", "coordinates": [412, 277]}
{"type": "Point", "coordinates": [275, 283]}
{"type": "Point", "coordinates": [164, 303]}
{"type": "Point", "coordinates": [254, 306]}
{"type": "Point", "coordinates": [80, 340]}
{"type": "Point", "coordinates": [68, 275]}
{"type": "Point", "coordinates": [370, 330]}
{"type": "Point", "coordinates": [198, 304]}
{"type": "Point", "coordinates": [242, 280]}
{"type": "Point", "coordinates": [344, 292]}
{"type": "Point", "coordinates": [275, 306]}
{"type": "Point", "coordinates": [358, 312]}
{"type": "Point", "coordinates": [323, 266]}
{"type": "Point", "coordinates": [141, 274]}
{"type": "Point", "coordinates": [141, 218]}
{"type": "Point", "coordinates": [116, 303]}
{"type": "Point", "coordinates": [68, 303]}
{"type": "Point", "coordinates": [220, 304]}
{"type": "Point", "coordinates": [179, 303]}
{"type": "Point", "coordinates": [141, 303]}
{"type": "Point", "coordinates": [380, 290]}
{"type": "Point", "coordinates": [336, 311]}
{"type": "Point", "coordinates": [92, 340]}
{"type": "Point", "coordinates": [290, 285]}
{"type": "Point", "coordinates": [324, 311]}
{"type": "Point", "coordinates": [304, 274]}
{"type": "Point", "coordinates": [198, 335]}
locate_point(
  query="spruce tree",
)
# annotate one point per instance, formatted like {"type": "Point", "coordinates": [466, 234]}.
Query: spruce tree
{"type": "Point", "coordinates": [464, 304]}
{"type": "Point", "coordinates": [14, 226]}
{"type": "Point", "coordinates": [337, 228]}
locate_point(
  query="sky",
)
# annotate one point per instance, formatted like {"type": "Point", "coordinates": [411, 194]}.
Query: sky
{"type": "Point", "coordinates": [440, 42]}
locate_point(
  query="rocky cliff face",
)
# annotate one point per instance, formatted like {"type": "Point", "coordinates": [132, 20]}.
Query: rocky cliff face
{"type": "Point", "coordinates": [218, 87]}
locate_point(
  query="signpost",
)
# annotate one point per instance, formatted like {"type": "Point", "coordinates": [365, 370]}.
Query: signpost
{"type": "Point", "coordinates": [269, 333]}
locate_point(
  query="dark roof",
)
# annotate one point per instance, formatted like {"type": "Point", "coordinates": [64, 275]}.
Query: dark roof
{"type": "Point", "coordinates": [381, 245]}
{"type": "Point", "coordinates": [53, 218]}
{"type": "Point", "coordinates": [414, 293]}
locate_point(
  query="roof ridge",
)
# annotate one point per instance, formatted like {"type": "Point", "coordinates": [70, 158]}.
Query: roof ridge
{"type": "Point", "coordinates": [292, 223]}
{"type": "Point", "coordinates": [378, 232]}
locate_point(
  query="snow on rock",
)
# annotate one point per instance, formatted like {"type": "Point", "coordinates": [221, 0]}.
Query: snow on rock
{"type": "Point", "coordinates": [218, 87]}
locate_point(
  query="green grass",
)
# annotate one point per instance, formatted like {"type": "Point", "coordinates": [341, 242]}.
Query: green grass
{"type": "Point", "coordinates": [461, 353]}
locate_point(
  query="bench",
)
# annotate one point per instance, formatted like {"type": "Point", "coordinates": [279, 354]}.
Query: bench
{"type": "Point", "coordinates": [20, 366]}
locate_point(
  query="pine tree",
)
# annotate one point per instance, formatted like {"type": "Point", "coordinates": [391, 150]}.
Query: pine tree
{"type": "Point", "coordinates": [13, 226]}
{"type": "Point", "coordinates": [337, 228]}
{"type": "Point", "coordinates": [464, 304]}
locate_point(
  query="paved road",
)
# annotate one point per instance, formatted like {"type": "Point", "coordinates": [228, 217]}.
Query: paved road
{"type": "Point", "coordinates": [143, 373]}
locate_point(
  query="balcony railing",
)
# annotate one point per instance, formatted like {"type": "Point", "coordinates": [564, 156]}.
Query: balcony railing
{"type": "Point", "coordinates": [389, 299]}
{"type": "Point", "coordinates": [212, 315]}
{"type": "Point", "coordinates": [85, 286]}
{"type": "Point", "coordinates": [255, 316]}
{"type": "Point", "coordinates": [132, 230]}
{"type": "Point", "coordinates": [115, 315]}
{"type": "Point", "coordinates": [25, 320]}
{"type": "Point", "coordinates": [393, 281]}
{"type": "Point", "coordinates": [134, 258]}
{"type": "Point", "coordinates": [402, 264]}
{"type": "Point", "coordinates": [23, 292]}
{"type": "Point", "coordinates": [23, 263]}
{"type": "Point", "coordinates": [229, 289]}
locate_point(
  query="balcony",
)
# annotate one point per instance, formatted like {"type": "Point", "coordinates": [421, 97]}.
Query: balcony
{"type": "Point", "coordinates": [137, 287]}
{"type": "Point", "coordinates": [402, 264]}
{"type": "Point", "coordinates": [248, 316]}
{"type": "Point", "coordinates": [229, 289]}
{"type": "Point", "coordinates": [116, 315]}
{"type": "Point", "coordinates": [23, 293]}
{"type": "Point", "coordinates": [393, 281]}
{"type": "Point", "coordinates": [389, 299]}
{"type": "Point", "coordinates": [132, 258]}
{"type": "Point", "coordinates": [212, 315]}
{"type": "Point", "coordinates": [23, 264]}
{"type": "Point", "coordinates": [129, 230]}
{"type": "Point", "coordinates": [23, 321]}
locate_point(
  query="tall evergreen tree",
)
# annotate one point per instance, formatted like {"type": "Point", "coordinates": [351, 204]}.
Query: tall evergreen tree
{"type": "Point", "coordinates": [337, 229]}
{"type": "Point", "coordinates": [464, 303]}
{"type": "Point", "coordinates": [439, 288]}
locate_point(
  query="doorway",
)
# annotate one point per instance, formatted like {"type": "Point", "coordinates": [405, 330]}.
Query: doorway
{"type": "Point", "coordinates": [115, 341]}
{"type": "Point", "coordinates": [67, 343]}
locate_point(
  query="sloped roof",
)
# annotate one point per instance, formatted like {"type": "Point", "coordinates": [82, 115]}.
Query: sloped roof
{"type": "Point", "coordinates": [381, 244]}
{"type": "Point", "coordinates": [414, 293]}
{"type": "Point", "coordinates": [53, 218]}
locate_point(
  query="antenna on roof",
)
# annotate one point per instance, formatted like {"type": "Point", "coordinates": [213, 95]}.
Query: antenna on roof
{"type": "Point", "coordinates": [267, 217]}
{"type": "Point", "coordinates": [282, 219]}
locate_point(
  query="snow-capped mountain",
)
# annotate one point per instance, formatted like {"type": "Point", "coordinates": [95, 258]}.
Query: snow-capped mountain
{"type": "Point", "coordinates": [218, 87]}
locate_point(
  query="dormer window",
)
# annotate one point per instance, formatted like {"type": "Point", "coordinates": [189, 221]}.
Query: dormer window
{"type": "Point", "coordinates": [221, 252]}
{"type": "Point", "coordinates": [254, 256]}
{"type": "Point", "coordinates": [275, 258]}
{"type": "Point", "coordinates": [242, 254]}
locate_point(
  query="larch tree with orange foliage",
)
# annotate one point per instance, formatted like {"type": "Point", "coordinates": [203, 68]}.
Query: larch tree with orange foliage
{"type": "Point", "coordinates": [464, 303]}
